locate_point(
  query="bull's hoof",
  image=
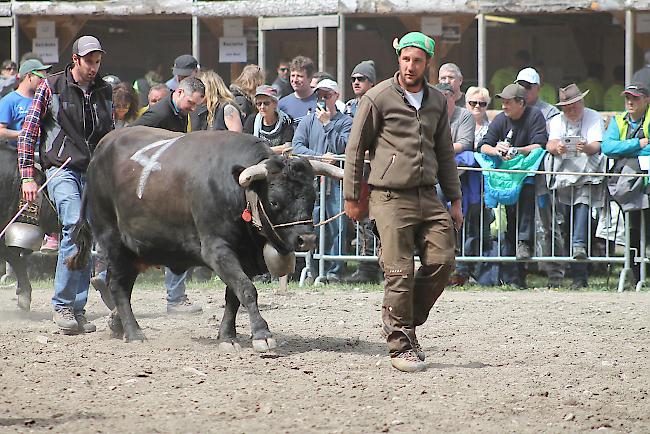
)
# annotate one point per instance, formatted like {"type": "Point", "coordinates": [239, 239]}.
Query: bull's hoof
{"type": "Point", "coordinates": [264, 345]}
{"type": "Point", "coordinates": [229, 347]}
{"type": "Point", "coordinates": [136, 335]}
{"type": "Point", "coordinates": [24, 302]}
{"type": "Point", "coordinates": [115, 325]}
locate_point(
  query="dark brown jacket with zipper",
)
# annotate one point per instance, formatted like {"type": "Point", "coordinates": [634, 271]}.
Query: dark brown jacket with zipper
{"type": "Point", "coordinates": [408, 148]}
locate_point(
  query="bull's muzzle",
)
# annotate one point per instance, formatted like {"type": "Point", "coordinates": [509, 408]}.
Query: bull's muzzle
{"type": "Point", "coordinates": [305, 242]}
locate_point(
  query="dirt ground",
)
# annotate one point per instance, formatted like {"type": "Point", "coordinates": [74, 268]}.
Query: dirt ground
{"type": "Point", "coordinates": [531, 361]}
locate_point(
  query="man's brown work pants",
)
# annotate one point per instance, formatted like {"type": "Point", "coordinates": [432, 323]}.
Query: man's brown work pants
{"type": "Point", "coordinates": [410, 220]}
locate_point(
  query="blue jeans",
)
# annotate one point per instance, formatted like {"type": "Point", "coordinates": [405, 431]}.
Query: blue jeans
{"type": "Point", "coordinates": [581, 214]}
{"type": "Point", "coordinates": [175, 284]}
{"type": "Point", "coordinates": [335, 231]}
{"type": "Point", "coordinates": [70, 287]}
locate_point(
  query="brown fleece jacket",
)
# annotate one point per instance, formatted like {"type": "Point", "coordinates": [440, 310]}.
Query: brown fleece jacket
{"type": "Point", "coordinates": [407, 148]}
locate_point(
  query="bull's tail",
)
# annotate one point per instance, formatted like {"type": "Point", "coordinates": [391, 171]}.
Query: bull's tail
{"type": "Point", "coordinates": [82, 238]}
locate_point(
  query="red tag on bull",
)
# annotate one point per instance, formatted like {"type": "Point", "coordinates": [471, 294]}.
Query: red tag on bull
{"type": "Point", "coordinates": [246, 215]}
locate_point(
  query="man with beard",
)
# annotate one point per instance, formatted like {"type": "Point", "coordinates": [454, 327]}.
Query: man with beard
{"type": "Point", "coordinates": [403, 122]}
{"type": "Point", "coordinates": [303, 100]}
{"type": "Point", "coordinates": [70, 113]}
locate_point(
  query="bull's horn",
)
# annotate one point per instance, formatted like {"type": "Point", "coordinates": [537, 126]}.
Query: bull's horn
{"type": "Point", "coordinates": [326, 169]}
{"type": "Point", "coordinates": [253, 173]}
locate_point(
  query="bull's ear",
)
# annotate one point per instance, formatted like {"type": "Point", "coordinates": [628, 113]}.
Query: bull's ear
{"type": "Point", "coordinates": [236, 171]}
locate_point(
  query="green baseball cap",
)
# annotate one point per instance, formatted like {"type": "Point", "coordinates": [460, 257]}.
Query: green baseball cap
{"type": "Point", "coordinates": [415, 39]}
{"type": "Point", "coordinates": [33, 66]}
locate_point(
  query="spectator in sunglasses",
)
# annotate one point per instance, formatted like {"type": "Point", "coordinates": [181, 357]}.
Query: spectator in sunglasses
{"type": "Point", "coordinates": [478, 98]}
{"type": "Point", "coordinates": [320, 76]}
{"type": "Point", "coordinates": [363, 77]}
{"type": "Point", "coordinates": [14, 107]}
{"type": "Point", "coordinates": [8, 76]}
{"type": "Point", "coordinates": [529, 79]}
{"type": "Point", "coordinates": [269, 123]}
{"type": "Point", "coordinates": [282, 85]}
{"type": "Point", "coordinates": [125, 105]}
{"type": "Point", "coordinates": [324, 133]}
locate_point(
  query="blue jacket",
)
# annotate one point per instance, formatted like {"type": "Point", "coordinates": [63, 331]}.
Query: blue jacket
{"type": "Point", "coordinates": [615, 147]}
{"type": "Point", "coordinates": [312, 138]}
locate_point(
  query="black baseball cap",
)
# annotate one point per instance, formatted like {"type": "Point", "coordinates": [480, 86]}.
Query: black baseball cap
{"type": "Point", "coordinates": [636, 89]}
{"type": "Point", "coordinates": [184, 65]}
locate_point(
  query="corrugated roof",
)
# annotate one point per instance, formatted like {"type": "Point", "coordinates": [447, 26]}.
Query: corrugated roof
{"type": "Point", "coordinates": [256, 8]}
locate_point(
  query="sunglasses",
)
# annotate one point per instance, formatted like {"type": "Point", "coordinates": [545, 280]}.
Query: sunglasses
{"type": "Point", "coordinates": [359, 79]}
{"type": "Point", "coordinates": [482, 104]}
{"type": "Point", "coordinates": [283, 69]}
{"type": "Point", "coordinates": [525, 85]}
{"type": "Point", "coordinates": [262, 103]}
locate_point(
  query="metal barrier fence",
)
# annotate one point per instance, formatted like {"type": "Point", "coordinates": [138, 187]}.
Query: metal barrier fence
{"type": "Point", "coordinates": [609, 233]}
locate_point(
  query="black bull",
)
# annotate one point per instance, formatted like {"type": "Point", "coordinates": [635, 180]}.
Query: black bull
{"type": "Point", "coordinates": [159, 197]}
{"type": "Point", "coordinates": [9, 198]}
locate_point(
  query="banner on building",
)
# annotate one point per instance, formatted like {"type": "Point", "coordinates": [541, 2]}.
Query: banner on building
{"type": "Point", "coordinates": [232, 50]}
{"type": "Point", "coordinates": [47, 49]}
{"type": "Point", "coordinates": [431, 26]}
{"type": "Point", "coordinates": [451, 33]}
{"type": "Point", "coordinates": [233, 27]}
{"type": "Point", "coordinates": [642, 23]}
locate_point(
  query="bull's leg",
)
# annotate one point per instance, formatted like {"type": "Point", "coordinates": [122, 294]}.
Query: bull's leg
{"type": "Point", "coordinates": [227, 332]}
{"type": "Point", "coordinates": [223, 260]}
{"type": "Point", "coordinates": [123, 275]}
{"type": "Point", "coordinates": [23, 286]}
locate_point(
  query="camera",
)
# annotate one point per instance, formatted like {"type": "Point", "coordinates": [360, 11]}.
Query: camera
{"type": "Point", "coordinates": [321, 105]}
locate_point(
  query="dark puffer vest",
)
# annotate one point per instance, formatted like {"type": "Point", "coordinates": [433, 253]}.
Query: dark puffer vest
{"type": "Point", "coordinates": [76, 121]}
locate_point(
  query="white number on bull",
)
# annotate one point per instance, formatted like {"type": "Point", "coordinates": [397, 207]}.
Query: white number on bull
{"type": "Point", "coordinates": [150, 164]}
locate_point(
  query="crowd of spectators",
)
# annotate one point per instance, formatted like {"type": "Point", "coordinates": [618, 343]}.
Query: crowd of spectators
{"type": "Point", "coordinates": [539, 126]}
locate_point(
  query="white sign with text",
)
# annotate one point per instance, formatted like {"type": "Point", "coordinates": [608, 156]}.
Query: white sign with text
{"type": "Point", "coordinates": [232, 50]}
{"type": "Point", "coordinates": [47, 49]}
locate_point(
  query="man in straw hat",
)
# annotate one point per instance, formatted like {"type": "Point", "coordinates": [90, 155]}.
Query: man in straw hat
{"type": "Point", "coordinates": [403, 122]}
{"type": "Point", "coordinates": [574, 143]}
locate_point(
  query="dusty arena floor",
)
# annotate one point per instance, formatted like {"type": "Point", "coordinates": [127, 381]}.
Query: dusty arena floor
{"type": "Point", "coordinates": [532, 361]}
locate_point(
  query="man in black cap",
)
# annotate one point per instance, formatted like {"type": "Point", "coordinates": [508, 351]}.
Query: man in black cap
{"type": "Point", "coordinates": [363, 78]}
{"type": "Point", "coordinates": [627, 138]}
{"type": "Point", "coordinates": [70, 113]}
{"type": "Point", "coordinates": [185, 65]}
{"type": "Point", "coordinates": [519, 129]}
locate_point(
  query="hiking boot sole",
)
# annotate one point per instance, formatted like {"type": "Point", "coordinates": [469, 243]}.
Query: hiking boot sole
{"type": "Point", "coordinates": [407, 365]}
{"type": "Point", "coordinates": [105, 293]}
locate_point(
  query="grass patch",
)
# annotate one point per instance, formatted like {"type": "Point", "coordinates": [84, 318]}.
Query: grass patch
{"type": "Point", "coordinates": [153, 280]}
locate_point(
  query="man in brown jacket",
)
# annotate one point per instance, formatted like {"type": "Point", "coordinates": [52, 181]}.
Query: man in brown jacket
{"type": "Point", "coordinates": [402, 123]}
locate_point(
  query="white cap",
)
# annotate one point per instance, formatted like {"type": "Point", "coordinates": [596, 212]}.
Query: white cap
{"type": "Point", "coordinates": [328, 84]}
{"type": "Point", "coordinates": [529, 75]}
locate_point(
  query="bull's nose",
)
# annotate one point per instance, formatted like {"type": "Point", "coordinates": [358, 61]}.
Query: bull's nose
{"type": "Point", "coordinates": [305, 242]}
